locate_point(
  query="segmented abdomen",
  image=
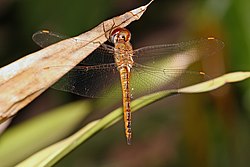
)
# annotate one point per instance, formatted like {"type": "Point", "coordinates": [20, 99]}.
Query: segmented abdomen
{"type": "Point", "coordinates": [125, 78]}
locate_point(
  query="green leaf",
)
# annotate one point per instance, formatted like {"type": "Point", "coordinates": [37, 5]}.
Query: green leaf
{"type": "Point", "coordinates": [216, 83]}
{"type": "Point", "coordinates": [54, 153]}
{"type": "Point", "coordinates": [29, 137]}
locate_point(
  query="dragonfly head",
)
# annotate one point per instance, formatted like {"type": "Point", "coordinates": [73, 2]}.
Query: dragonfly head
{"type": "Point", "coordinates": [120, 35]}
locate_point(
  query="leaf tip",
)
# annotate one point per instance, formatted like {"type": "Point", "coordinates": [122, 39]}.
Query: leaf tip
{"type": "Point", "coordinates": [139, 11]}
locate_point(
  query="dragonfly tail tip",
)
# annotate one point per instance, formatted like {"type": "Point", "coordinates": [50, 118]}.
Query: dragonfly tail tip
{"type": "Point", "coordinates": [129, 141]}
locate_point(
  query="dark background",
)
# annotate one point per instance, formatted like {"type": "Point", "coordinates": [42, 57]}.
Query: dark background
{"type": "Point", "coordinates": [209, 129]}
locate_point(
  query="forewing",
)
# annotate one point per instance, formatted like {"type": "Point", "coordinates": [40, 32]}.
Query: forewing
{"type": "Point", "coordinates": [102, 55]}
{"type": "Point", "coordinates": [45, 38]}
{"type": "Point", "coordinates": [178, 55]}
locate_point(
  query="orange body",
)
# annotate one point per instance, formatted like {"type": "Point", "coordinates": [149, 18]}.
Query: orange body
{"type": "Point", "coordinates": [124, 61]}
{"type": "Point", "coordinates": [126, 95]}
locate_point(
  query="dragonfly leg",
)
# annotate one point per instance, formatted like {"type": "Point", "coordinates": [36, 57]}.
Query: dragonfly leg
{"type": "Point", "coordinates": [108, 32]}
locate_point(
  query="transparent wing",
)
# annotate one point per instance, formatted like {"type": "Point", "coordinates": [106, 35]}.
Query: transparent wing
{"type": "Point", "coordinates": [93, 77]}
{"type": "Point", "coordinates": [178, 55]}
{"type": "Point", "coordinates": [45, 38]}
{"type": "Point", "coordinates": [146, 80]}
{"type": "Point", "coordinates": [92, 81]}
{"type": "Point", "coordinates": [102, 55]}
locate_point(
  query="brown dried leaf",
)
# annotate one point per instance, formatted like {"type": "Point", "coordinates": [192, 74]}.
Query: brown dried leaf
{"type": "Point", "coordinates": [25, 79]}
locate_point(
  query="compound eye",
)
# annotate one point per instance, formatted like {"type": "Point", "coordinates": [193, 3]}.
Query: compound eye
{"type": "Point", "coordinates": [120, 34]}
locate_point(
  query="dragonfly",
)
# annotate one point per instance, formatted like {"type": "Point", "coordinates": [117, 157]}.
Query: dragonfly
{"type": "Point", "coordinates": [118, 70]}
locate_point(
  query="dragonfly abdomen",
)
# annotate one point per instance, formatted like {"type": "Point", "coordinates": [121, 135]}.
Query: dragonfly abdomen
{"type": "Point", "coordinates": [125, 78]}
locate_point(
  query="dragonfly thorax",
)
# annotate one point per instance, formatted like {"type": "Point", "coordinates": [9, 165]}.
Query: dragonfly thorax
{"type": "Point", "coordinates": [123, 55]}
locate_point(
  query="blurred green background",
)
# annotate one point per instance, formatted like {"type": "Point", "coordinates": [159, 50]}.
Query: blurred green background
{"type": "Point", "coordinates": [208, 130]}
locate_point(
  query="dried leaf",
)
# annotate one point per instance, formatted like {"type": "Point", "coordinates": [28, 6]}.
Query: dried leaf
{"type": "Point", "coordinates": [25, 79]}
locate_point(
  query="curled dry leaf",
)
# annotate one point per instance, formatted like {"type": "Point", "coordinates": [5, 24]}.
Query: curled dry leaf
{"type": "Point", "coordinates": [25, 79]}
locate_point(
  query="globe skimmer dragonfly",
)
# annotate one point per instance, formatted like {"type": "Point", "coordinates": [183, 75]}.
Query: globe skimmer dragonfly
{"type": "Point", "coordinates": [139, 72]}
